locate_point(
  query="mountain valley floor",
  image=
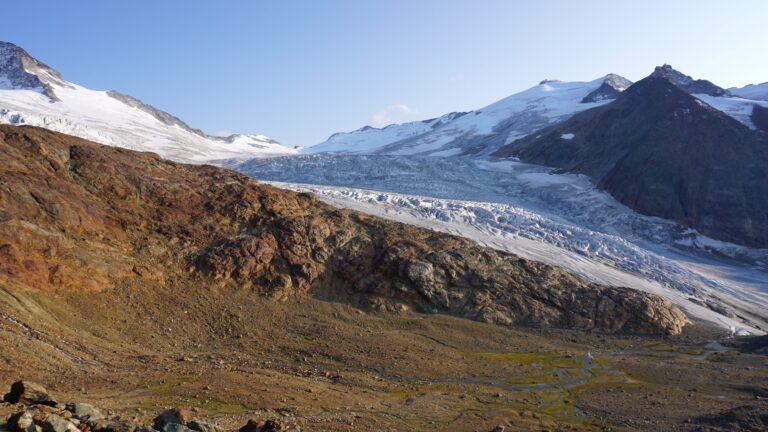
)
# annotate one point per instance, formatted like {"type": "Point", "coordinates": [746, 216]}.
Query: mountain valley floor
{"type": "Point", "coordinates": [320, 365]}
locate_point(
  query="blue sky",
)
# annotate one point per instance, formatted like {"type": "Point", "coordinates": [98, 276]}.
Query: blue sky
{"type": "Point", "coordinates": [301, 70]}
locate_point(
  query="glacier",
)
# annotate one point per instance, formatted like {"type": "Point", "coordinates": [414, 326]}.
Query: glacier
{"type": "Point", "coordinates": [560, 219]}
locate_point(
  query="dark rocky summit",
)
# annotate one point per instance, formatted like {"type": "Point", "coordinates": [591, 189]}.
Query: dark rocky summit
{"type": "Point", "coordinates": [80, 216]}
{"type": "Point", "coordinates": [688, 84]}
{"type": "Point", "coordinates": [665, 153]}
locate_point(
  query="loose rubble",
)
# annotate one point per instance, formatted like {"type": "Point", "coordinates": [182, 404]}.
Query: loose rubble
{"type": "Point", "coordinates": [39, 412]}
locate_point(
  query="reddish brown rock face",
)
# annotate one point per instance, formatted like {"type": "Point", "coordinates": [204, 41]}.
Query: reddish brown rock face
{"type": "Point", "coordinates": [75, 215]}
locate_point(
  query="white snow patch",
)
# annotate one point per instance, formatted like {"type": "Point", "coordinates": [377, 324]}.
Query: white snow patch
{"type": "Point", "coordinates": [736, 107]}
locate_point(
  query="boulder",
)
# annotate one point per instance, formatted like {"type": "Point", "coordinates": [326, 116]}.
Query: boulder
{"type": "Point", "coordinates": [179, 416]}
{"type": "Point", "coordinates": [57, 423]}
{"type": "Point", "coordinates": [84, 411]}
{"type": "Point", "coordinates": [262, 426]}
{"type": "Point", "coordinates": [114, 425]}
{"type": "Point", "coordinates": [28, 393]}
{"type": "Point", "coordinates": [22, 422]}
{"type": "Point", "coordinates": [200, 426]}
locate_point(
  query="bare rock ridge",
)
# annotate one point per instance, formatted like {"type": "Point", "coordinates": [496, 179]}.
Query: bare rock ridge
{"type": "Point", "coordinates": [78, 216]}
{"type": "Point", "coordinates": [688, 84]}
{"type": "Point", "coordinates": [665, 153]}
{"type": "Point", "coordinates": [162, 116]}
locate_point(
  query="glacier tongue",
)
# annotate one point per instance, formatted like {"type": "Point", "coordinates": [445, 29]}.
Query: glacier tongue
{"type": "Point", "coordinates": [559, 219]}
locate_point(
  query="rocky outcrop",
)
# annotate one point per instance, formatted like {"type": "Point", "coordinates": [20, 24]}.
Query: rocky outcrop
{"type": "Point", "coordinates": [759, 117]}
{"type": "Point", "coordinates": [80, 216]}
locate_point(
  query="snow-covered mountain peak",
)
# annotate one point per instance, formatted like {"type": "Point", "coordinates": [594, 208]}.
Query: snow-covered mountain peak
{"type": "Point", "coordinates": [32, 93]}
{"type": "Point", "coordinates": [19, 70]}
{"type": "Point", "coordinates": [482, 131]}
{"type": "Point", "coordinates": [687, 83]}
{"type": "Point", "coordinates": [610, 89]}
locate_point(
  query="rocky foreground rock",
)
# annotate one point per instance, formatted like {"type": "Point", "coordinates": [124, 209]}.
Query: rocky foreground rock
{"type": "Point", "coordinates": [78, 216]}
{"type": "Point", "coordinates": [38, 412]}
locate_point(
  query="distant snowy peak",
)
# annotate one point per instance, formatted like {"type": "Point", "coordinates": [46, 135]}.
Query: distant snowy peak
{"type": "Point", "coordinates": [610, 89]}
{"type": "Point", "coordinates": [688, 84]}
{"type": "Point", "coordinates": [369, 139]}
{"type": "Point", "coordinates": [752, 91]}
{"type": "Point", "coordinates": [32, 93]}
{"type": "Point", "coordinates": [482, 131]}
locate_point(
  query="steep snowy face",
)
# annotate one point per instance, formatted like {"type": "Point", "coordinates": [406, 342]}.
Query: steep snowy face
{"type": "Point", "coordinates": [752, 91]}
{"type": "Point", "coordinates": [482, 131]}
{"type": "Point", "coordinates": [32, 93]}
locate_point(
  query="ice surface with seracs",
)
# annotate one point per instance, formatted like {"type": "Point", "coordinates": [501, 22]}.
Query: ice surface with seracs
{"type": "Point", "coordinates": [561, 219]}
{"type": "Point", "coordinates": [494, 126]}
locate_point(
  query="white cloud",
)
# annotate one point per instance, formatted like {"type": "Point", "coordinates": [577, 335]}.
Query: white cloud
{"type": "Point", "coordinates": [397, 111]}
{"type": "Point", "coordinates": [456, 78]}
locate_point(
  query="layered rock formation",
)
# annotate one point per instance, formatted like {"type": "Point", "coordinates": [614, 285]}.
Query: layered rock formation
{"type": "Point", "coordinates": [75, 215]}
